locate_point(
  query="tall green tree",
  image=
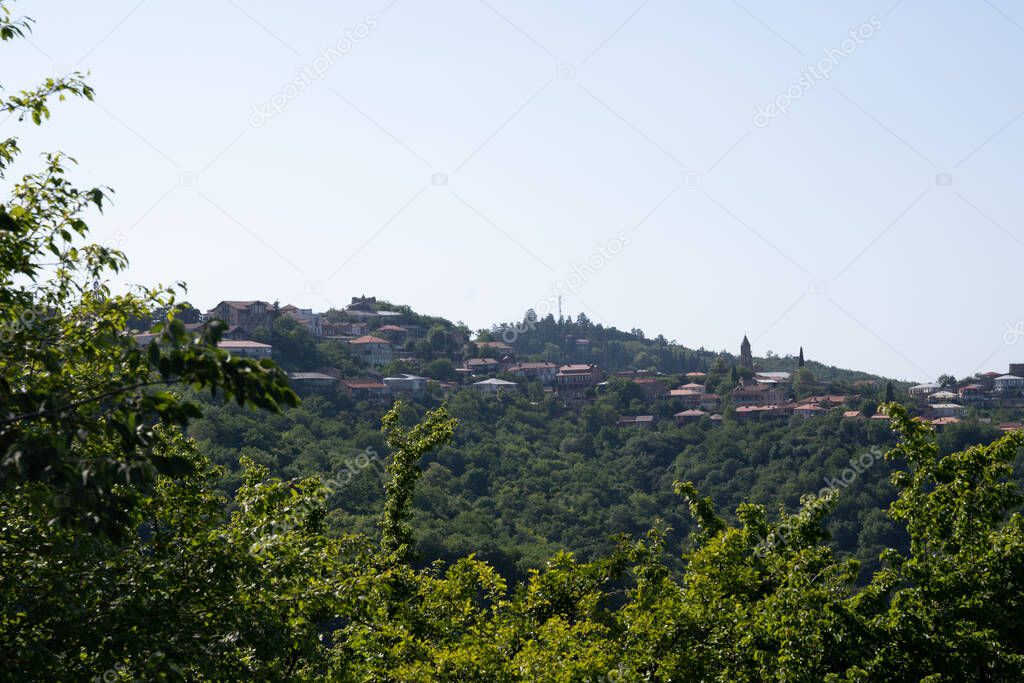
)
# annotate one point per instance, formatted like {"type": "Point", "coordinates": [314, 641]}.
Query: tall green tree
{"type": "Point", "coordinates": [79, 397]}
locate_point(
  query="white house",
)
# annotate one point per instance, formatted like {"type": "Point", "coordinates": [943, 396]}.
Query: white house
{"type": "Point", "coordinates": [773, 378]}
{"type": "Point", "coordinates": [922, 390]}
{"type": "Point", "coordinates": [545, 372]}
{"type": "Point", "coordinates": [1008, 383]}
{"type": "Point", "coordinates": [373, 350]}
{"type": "Point", "coordinates": [947, 410]}
{"type": "Point", "coordinates": [406, 383]}
{"type": "Point", "coordinates": [494, 386]}
{"type": "Point", "coordinates": [249, 349]}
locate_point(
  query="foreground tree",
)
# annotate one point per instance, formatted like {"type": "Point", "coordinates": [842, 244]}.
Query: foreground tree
{"type": "Point", "coordinates": [79, 397]}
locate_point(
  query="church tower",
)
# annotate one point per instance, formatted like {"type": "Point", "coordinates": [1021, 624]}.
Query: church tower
{"type": "Point", "coordinates": [746, 357]}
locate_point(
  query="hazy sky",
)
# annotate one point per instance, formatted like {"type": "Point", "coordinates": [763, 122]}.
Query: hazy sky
{"type": "Point", "coordinates": [469, 157]}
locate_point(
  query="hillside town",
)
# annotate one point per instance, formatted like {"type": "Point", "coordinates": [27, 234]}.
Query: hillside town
{"type": "Point", "coordinates": [377, 338]}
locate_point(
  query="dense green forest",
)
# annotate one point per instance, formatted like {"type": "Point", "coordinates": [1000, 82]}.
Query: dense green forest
{"type": "Point", "coordinates": [169, 511]}
{"type": "Point", "coordinates": [526, 478]}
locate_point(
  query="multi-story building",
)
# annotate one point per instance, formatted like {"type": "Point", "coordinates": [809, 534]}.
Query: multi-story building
{"type": "Point", "coordinates": [542, 372]}
{"type": "Point", "coordinates": [572, 381]}
{"type": "Point", "coordinates": [494, 386]}
{"type": "Point", "coordinates": [653, 388]}
{"type": "Point", "coordinates": [687, 398]}
{"type": "Point", "coordinates": [373, 350]}
{"type": "Point", "coordinates": [482, 366]}
{"type": "Point", "coordinates": [246, 315]}
{"type": "Point", "coordinates": [395, 333]}
{"type": "Point", "coordinates": [946, 410]}
{"type": "Point", "coordinates": [249, 349]}
{"type": "Point", "coordinates": [924, 390]}
{"type": "Point", "coordinates": [307, 318]}
{"type": "Point", "coordinates": [406, 383]}
{"type": "Point", "coordinates": [344, 329]}
{"type": "Point", "coordinates": [639, 421]}
{"type": "Point", "coordinates": [808, 410]}
{"type": "Point", "coordinates": [973, 394]}
{"type": "Point", "coordinates": [1009, 384]}
{"type": "Point", "coordinates": [366, 390]}
{"type": "Point", "coordinates": [313, 382]}
{"type": "Point", "coordinates": [688, 416]}
{"type": "Point", "coordinates": [710, 402]}
{"type": "Point", "coordinates": [757, 395]}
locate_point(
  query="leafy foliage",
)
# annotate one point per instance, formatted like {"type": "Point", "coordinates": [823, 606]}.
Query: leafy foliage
{"type": "Point", "coordinates": [78, 396]}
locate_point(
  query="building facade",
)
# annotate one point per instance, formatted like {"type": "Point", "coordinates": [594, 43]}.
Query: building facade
{"type": "Point", "coordinates": [247, 315]}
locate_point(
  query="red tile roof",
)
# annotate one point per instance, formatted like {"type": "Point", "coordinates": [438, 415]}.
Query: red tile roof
{"type": "Point", "coordinates": [369, 339]}
{"type": "Point", "coordinates": [493, 345]}
{"type": "Point", "coordinates": [579, 367]}
{"type": "Point", "coordinates": [246, 304]}
{"type": "Point", "coordinates": [532, 366]}
{"type": "Point", "coordinates": [831, 399]}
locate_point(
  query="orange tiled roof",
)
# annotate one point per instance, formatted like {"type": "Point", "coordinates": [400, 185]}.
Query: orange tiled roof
{"type": "Point", "coordinates": [369, 339]}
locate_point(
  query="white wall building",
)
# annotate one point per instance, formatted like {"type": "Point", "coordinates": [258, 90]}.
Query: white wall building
{"type": "Point", "coordinates": [407, 383]}
{"type": "Point", "coordinates": [494, 386]}
{"type": "Point", "coordinates": [1008, 383]}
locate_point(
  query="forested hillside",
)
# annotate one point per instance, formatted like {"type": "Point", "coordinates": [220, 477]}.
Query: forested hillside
{"type": "Point", "coordinates": [526, 477]}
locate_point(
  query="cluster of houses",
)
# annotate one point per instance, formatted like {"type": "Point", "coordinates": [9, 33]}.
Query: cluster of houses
{"type": "Point", "coordinates": [378, 349]}
{"type": "Point", "coordinates": [948, 403]}
{"type": "Point", "coordinates": [766, 396]}
{"type": "Point", "coordinates": [570, 382]}
{"type": "Point", "coordinates": [244, 317]}
{"type": "Point", "coordinates": [378, 336]}
{"type": "Point", "coordinates": [374, 336]}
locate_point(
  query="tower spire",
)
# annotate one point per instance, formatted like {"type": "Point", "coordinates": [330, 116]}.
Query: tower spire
{"type": "Point", "coordinates": [746, 356]}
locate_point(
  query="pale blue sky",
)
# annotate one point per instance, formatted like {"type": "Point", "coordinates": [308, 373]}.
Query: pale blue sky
{"type": "Point", "coordinates": [826, 228]}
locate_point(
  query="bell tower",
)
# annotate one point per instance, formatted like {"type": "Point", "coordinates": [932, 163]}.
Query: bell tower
{"type": "Point", "coordinates": [746, 357]}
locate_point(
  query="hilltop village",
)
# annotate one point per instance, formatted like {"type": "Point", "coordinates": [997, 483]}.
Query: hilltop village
{"type": "Point", "coordinates": [383, 352]}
